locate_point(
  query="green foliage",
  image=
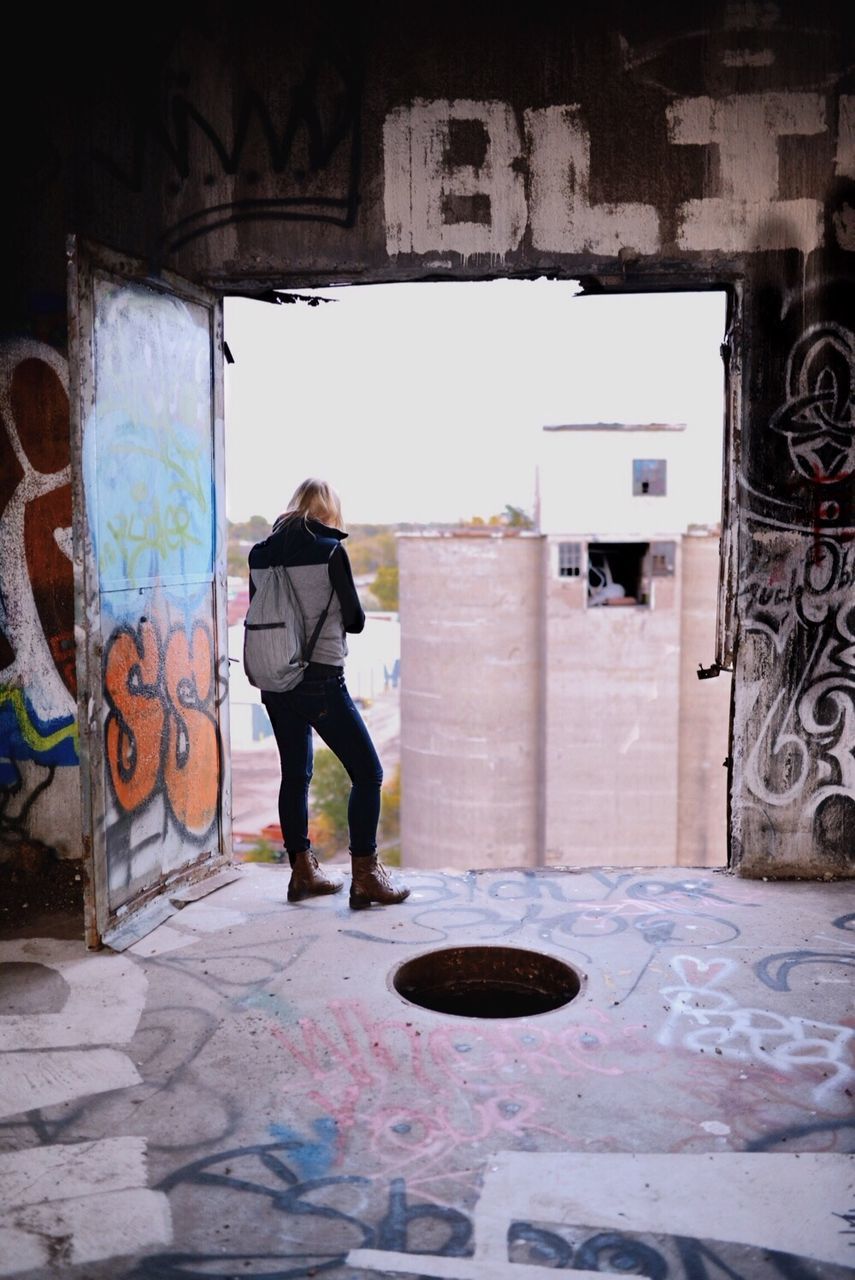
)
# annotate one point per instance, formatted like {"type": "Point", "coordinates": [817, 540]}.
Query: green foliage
{"type": "Point", "coordinates": [384, 588]}
{"type": "Point", "coordinates": [251, 530]}
{"type": "Point", "coordinates": [391, 855]}
{"type": "Point", "coordinates": [390, 813]}
{"type": "Point", "coordinates": [330, 793]}
{"type": "Point", "coordinates": [511, 518]}
{"type": "Point", "coordinates": [369, 551]}
{"type": "Point", "coordinates": [241, 536]}
{"type": "Point", "coordinates": [262, 851]}
{"type": "Point", "coordinates": [236, 563]}
{"type": "Point", "coordinates": [516, 518]}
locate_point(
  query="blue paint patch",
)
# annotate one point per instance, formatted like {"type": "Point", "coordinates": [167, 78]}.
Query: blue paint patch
{"type": "Point", "coordinates": [463, 1048]}
{"type": "Point", "coordinates": [312, 1158]}
{"type": "Point", "coordinates": [403, 1127]}
{"type": "Point", "coordinates": [23, 736]}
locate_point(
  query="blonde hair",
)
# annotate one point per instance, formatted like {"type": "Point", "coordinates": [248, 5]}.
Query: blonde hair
{"type": "Point", "coordinates": [315, 500]}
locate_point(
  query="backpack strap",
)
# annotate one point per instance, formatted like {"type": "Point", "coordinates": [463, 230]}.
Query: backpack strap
{"type": "Point", "coordinates": [310, 647]}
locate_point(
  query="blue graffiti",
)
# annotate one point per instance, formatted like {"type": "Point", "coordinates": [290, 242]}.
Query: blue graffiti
{"type": "Point", "coordinates": [24, 736]}
{"type": "Point", "coordinates": [312, 1158]}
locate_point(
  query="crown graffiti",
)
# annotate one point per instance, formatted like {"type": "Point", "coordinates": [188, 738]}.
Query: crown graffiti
{"type": "Point", "coordinates": [322, 128]}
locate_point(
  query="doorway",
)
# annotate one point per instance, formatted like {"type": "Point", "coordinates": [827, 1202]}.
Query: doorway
{"type": "Point", "coordinates": [448, 415]}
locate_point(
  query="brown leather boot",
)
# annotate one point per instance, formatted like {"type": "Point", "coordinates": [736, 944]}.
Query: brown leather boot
{"type": "Point", "coordinates": [307, 879]}
{"type": "Point", "coordinates": [371, 883]}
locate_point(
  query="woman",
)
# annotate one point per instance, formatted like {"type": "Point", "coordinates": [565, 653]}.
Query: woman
{"type": "Point", "coordinates": [307, 539]}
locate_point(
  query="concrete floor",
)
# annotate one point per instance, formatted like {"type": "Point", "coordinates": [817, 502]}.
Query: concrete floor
{"type": "Point", "coordinates": [243, 1093]}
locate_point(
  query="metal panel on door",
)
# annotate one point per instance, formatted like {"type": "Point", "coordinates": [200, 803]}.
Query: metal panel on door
{"type": "Point", "coordinates": [151, 600]}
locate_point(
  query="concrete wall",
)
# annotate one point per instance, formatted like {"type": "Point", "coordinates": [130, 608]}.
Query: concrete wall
{"type": "Point", "coordinates": [611, 727]}
{"type": "Point", "coordinates": [470, 663]}
{"type": "Point", "coordinates": [583, 738]}
{"type": "Point", "coordinates": [632, 146]}
{"type": "Point", "coordinates": [39, 767]}
{"type": "Point", "coordinates": [588, 476]}
{"type": "Point", "coordinates": [704, 714]}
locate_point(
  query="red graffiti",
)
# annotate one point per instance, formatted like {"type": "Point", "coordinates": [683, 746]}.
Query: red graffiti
{"type": "Point", "coordinates": [161, 732]}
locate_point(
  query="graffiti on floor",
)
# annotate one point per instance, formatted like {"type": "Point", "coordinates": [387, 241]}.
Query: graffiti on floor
{"type": "Point", "coordinates": [319, 1157]}
{"type": "Point", "coordinates": [322, 1218]}
{"type": "Point", "coordinates": [100, 1205]}
{"type": "Point", "coordinates": [379, 1225]}
{"type": "Point", "coordinates": [620, 1206]}
{"type": "Point", "coordinates": [660, 913]}
{"type": "Point", "coordinates": [469, 1083]}
{"type": "Point", "coordinates": [705, 1018]}
{"type": "Point", "coordinates": [70, 1201]}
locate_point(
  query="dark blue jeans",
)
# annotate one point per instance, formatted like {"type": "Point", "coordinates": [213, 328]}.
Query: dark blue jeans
{"type": "Point", "coordinates": [326, 706]}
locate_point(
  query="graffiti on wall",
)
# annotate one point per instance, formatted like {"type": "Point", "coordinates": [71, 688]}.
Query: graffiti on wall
{"type": "Point", "coordinates": [803, 748]}
{"type": "Point", "coordinates": [148, 460]}
{"type": "Point", "coordinates": [266, 153]}
{"type": "Point", "coordinates": [439, 199]}
{"type": "Point", "coordinates": [38, 713]}
{"type": "Point", "coordinates": [796, 591]}
{"type": "Point", "coordinates": [161, 729]}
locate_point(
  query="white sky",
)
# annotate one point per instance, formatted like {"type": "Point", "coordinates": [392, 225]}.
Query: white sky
{"type": "Point", "coordinates": [424, 402]}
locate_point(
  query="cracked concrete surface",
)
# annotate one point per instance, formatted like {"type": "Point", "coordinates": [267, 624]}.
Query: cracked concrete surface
{"type": "Point", "coordinates": [244, 1093]}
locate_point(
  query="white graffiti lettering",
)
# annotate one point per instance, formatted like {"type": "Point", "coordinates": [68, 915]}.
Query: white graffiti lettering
{"type": "Point", "coordinates": [844, 164]}
{"type": "Point", "coordinates": [706, 1019]}
{"type": "Point", "coordinates": [563, 219]}
{"type": "Point", "coordinates": [748, 215]}
{"type": "Point", "coordinates": [435, 204]}
{"type": "Point", "coordinates": [455, 178]}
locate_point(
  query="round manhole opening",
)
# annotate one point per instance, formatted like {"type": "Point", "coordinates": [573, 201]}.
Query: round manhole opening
{"type": "Point", "coordinates": [487, 982]}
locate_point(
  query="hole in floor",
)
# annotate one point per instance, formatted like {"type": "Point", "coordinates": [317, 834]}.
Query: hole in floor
{"type": "Point", "coordinates": [487, 982]}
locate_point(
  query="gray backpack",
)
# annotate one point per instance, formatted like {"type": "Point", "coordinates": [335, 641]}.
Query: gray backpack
{"type": "Point", "coordinates": [275, 652]}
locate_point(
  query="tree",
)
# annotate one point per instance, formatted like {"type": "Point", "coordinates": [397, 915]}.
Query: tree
{"type": "Point", "coordinates": [368, 552]}
{"type": "Point", "coordinates": [236, 565]}
{"type": "Point", "coordinates": [384, 588]}
{"type": "Point", "coordinates": [251, 530]}
{"type": "Point", "coordinates": [516, 518]}
{"type": "Point", "coordinates": [511, 518]}
{"type": "Point", "coordinates": [330, 794]}
{"type": "Point", "coordinates": [390, 813]}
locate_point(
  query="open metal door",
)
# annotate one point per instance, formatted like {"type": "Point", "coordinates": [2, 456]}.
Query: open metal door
{"type": "Point", "coordinates": [150, 620]}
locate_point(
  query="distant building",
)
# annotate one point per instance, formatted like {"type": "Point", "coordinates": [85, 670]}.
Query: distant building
{"type": "Point", "coordinates": [550, 706]}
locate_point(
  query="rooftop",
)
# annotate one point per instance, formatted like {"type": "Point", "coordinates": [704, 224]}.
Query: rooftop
{"type": "Point", "coordinates": [618, 426]}
{"type": "Point", "coordinates": [244, 1092]}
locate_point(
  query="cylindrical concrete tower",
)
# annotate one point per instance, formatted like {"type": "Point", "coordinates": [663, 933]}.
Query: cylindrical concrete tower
{"type": "Point", "coordinates": [470, 608]}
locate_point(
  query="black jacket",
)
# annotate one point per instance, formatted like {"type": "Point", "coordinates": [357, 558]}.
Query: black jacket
{"type": "Point", "coordinates": [318, 565]}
